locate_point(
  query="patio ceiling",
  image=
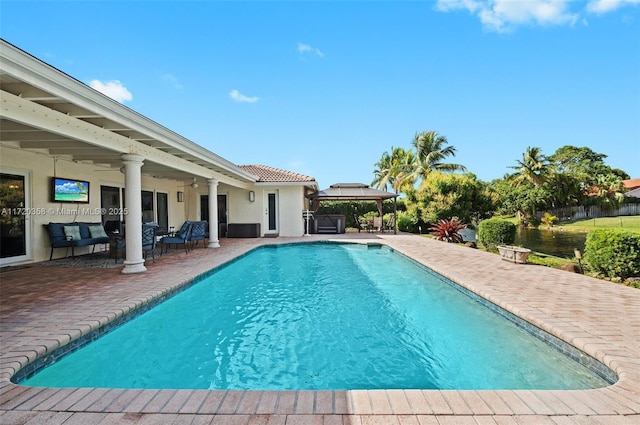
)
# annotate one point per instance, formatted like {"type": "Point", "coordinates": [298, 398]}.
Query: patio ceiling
{"type": "Point", "coordinates": [47, 111]}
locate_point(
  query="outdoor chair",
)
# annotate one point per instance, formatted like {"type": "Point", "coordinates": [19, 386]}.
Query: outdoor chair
{"type": "Point", "coordinates": [182, 237]}
{"type": "Point", "coordinates": [198, 232]}
{"type": "Point", "coordinates": [377, 224]}
{"type": "Point", "coordinates": [357, 224]}
{"type": "Point", "coordinates": [391, 222]}
{"type": "Point", "coordinates": [149, 239]}
{"type": "Point", "coordinates": [369, 224]}
{"type": "Point", "coordinates": [149, 242]}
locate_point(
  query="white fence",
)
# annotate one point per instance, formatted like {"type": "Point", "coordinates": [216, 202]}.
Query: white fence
{"type": "Point", "coordinates": [593, 211]}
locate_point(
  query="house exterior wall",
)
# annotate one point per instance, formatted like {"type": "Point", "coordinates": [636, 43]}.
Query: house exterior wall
{"type": "Point", "coordinates": [635, 193]}
{"type": "Point", "coordinates": [41, 167]}
{"type": "Point", "coordinates": [290, 206]}
{"type": "Point", "coordinates": [241, 209]}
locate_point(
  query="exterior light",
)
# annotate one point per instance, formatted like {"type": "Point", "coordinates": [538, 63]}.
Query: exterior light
{"type": "Point", "coordinates": [252, 196]}
{"type": "Point", "coordinates": [578, 255]}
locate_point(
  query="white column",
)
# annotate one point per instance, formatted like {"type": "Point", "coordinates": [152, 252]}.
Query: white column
{"type": "Point", "coordinates": [213, 214]}
{"type": "Point", "coordinates": [133, 219]}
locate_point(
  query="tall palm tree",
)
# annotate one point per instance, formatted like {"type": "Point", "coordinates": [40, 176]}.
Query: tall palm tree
{"type": "Point", "coordinates": [431, 151]}
{"type": "Point", "coordinates": [394, 170]}
{"type": "Point", "coordinates": [534, 167]}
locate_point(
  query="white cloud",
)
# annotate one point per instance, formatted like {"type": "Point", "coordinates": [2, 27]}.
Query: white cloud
{"type": "Point", "coordinates": [172, 80]}
{"type": "Point", "coordinates": [604, 6]}
{"type": "Point", "coordinates": [114, 89]}
{"type": "Point", "coordinates": [305, 48]}
{"type": "Point", "coordinates": [447, 5]}
{"type": "Point", "coordinates": [239, 97]}
{"type": "Point", "coordinates": [504, 15]}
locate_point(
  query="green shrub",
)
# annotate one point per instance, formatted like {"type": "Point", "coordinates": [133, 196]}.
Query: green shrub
{"type": "Point", "coordinates": [548, 219]}
{"type": "Point", "coordinates": [495, 231]}
{"type": "Point", "coordinates": [406, 222]}
{"type": "Point", "coordinates": [613, 253]}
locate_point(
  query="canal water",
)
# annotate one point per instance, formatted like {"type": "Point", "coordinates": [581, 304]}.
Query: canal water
{"type": "Point", "coordinates": [552, 242]}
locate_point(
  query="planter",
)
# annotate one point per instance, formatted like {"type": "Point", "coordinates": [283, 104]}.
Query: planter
{"type": "Point", "coordinates": [515, 254]}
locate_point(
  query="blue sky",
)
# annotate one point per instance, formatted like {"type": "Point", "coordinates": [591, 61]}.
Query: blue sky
{"type": "Point", "coordinates": [324, 88]}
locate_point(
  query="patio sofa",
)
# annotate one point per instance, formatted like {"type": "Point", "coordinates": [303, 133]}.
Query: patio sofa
{"type": "Point", "coordinates": [65, 235]}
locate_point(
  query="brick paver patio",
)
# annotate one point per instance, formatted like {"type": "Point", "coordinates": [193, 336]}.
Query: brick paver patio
{"type": "Point", "coordinates": [43, 308]}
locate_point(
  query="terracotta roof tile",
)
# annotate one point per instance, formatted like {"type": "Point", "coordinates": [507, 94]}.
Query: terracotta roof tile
{"type": "Point", "coordinates": [276, 175]}
{"type": "Point", "coordinates": [631, 184]}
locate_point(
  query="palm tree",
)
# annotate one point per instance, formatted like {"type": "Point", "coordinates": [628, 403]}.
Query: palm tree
{"type": "Point", "coordinates": [431, 151]}
{"type": "Point", "coordinates": [394, 170]}
{"type": "Point", "coordinates": [534, 167]}
{"type": "Point", "coordinates": [608, 189]}
{"type": "Point", "coordinates": [383, 172]}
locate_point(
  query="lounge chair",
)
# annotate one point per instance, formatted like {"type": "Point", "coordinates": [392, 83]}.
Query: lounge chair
{"type": "Point", "coordinates": [182, 237]}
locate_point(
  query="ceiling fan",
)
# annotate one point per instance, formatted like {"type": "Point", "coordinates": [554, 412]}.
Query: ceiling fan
{"type": "Point", "coordinates": [193, 185]}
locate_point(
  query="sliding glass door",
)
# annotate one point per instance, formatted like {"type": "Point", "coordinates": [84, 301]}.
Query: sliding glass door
{"type": "Point", "coordinates": [15, 215]}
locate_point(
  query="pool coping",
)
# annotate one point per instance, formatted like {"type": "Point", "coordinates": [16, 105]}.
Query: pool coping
{"type": "Point", "coordinates": [619, 399]}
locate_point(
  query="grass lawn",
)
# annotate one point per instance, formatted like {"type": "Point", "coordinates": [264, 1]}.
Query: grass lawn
{"type": "Point", "coordinates": [627, 223]}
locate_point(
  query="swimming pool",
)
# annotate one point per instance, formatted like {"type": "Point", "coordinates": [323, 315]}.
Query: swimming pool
{"type": "Point", "coordinates": [319, 316]}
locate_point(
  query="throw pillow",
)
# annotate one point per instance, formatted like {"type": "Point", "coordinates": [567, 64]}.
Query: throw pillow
{"type": "Point", "coordinates": [97, 231]}
{"type": "Point", "coordinates": [72, 233]}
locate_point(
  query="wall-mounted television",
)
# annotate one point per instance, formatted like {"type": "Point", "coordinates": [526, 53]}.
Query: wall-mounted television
{"type": "Point", "coordinates": [69, 190]}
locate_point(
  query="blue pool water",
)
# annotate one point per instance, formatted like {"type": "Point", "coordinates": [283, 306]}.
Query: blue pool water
{"type": "Point", "coordinates": [319, 316]}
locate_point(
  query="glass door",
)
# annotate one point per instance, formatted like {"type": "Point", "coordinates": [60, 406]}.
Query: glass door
{"type": "Point", "coordinates": [148, 214]}
{"type": "Point", "coordinates": [272, 212]}
{"type": "Point", "coordinates": [222, 212]}
{"type": "Point", "coordinates": [15, 213]}
{"type": "Point", "coordinates": [162, 201]}
{"type": "Point", "coordinates": [110, 204]}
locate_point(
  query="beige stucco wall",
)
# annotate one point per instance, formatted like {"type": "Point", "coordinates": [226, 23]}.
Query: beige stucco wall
{"type": "Point", "coordinates": [241, 209]}
{"type": "Point", "coordinates": [290, 205]}
{"type": "Point", "coordinates": [40, 168]}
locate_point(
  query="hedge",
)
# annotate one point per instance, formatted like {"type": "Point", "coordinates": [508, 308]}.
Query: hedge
{"type": "Point", "coordinates": [495, 231]}
{"type": "Point", "coordinates": [613, 253]}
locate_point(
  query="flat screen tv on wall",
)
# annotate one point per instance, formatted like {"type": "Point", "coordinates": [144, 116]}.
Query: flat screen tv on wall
{"type": "Point", "coordinates": [69, 190]}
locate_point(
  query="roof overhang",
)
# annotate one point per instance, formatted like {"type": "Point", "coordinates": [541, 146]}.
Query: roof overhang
{"type": "Point", "coordinates": [47, 111]}
{"type": "Point", "coordinates": [351, 191]}
{"type": "Point", "coordinates": [310, 184]}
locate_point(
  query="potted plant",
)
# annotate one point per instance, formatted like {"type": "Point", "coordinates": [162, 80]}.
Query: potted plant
{"type": "Point", "coordinates": [515, 254]}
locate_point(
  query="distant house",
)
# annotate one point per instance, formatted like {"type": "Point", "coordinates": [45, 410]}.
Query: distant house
{"type": "Point", "coordinates": [632, 187]}
{"type": "Point", "coordinates": [52, 125]}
